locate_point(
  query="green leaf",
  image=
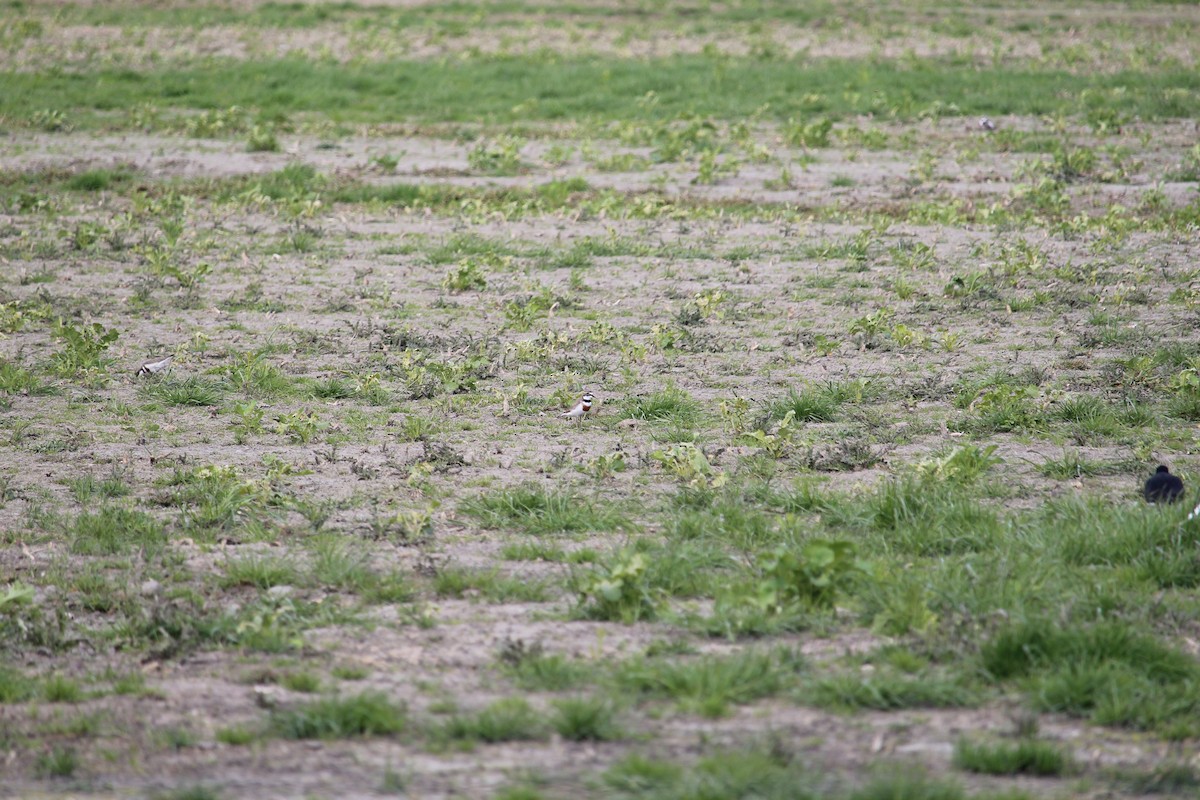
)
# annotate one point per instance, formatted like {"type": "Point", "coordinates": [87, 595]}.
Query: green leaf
{"type": "Point", "coordinates": [17, 594]}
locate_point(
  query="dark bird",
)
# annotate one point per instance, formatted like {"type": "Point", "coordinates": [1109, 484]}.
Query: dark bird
{"type": "Point", "coordinates": [1163, 487]}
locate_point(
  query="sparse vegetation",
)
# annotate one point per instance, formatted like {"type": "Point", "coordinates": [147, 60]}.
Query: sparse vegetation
{"type": "Point", "coordinates": [508, 720]}
{"type": "Point", "coordinates": [365, 714]}
{"type": "Point", "coordinates": [1027, 757]}
{"type": "Point", "coordinates": [539, 510]}
{"type": "Point", "coordinates": [887, 312]}
{"type": "Point", "coordinates": [587, 719]}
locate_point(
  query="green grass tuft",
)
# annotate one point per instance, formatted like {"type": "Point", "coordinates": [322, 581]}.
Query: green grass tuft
{"type": "Point", "coordinates": [1168, 778]}
{"type": "Point", "coordinates": [61, 762]}
{"type": "Point", "coordinates": [193, 792]}
{"type": "Point", "coordinates": [15, 687]}
{"type": "Point", "coordinates": [586, 719]}
{"type": "Point", "coordinates": [931, 518]}
{"type": "Point", "coordinates": [89, 486]}
{"type": "Point", "coordinates": [1026, 648]}
{"type": "Point", "coordinates": [671, 405]}
{"type": "Point", "coordinates": [1026, 757]}
{"type": "Point", "coordinates": [236, 735]}
{"type": "Point", "coordinates": [365, 714]}
{"type": "Point", "coordinates": [906, 785]}
{"type": "Point", "coordinates": [114, 530]}
{"type": "Point", "coordinates": [189, 391]}
{"type": "Point", "coordinates": [887, 690]}
{"type": "Point", "coordinates": [261, 572]}
{"type": "Point", "coordinates": [1112, 672]}
{"type": "Point", "coordinates": [809, 403]}
{"type": "Point", "coordinates": [595, 88]}
{"type": "Point", "coordinates": [95, 180]}
{"type": "Point", "coordinates": [491, 584]}
{"type": "Point", "coordinates": [709, 684]}
{"type": "Point", "coordinates": [539, 510]}
{"type": "Point", "coordinates": [756, 774]}
{"type": "Point", "coordinates": [546, 672]}
{"type": "Point", "coordinates": [508, 720]}
{"type": "Point", "coordinates": [61, 689]}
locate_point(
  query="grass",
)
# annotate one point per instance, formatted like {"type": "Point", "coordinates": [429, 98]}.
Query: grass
{"type": "Point", "coordinates": [1026, 757]}
{"type": "Point", "coordinates": [570, 195]}
{"type": "Point", "coordinates": [261, 572]}
{"type": "Point", "coordinates": [509, 720]}
{"type": "Point", "coordinates": [728, 520]}
{"type": "Point", "coordinates": [189, 391]}
{"type": "Point", "coordinates": [61, 689]}
{"type": "Point", "coordinates": [115, 530]}
{"type": "Point", "coordinates": [672, 405]}
{"type": "Point", "coordinates": [364, 714]}
{"type": "Point", "coordinates": [587, 719]}
{"type": "Point", "coordinates": [744, 774]}
{"type": "Point", "coordinates": [341, 565]}
{"type": "Point", "coordinates": [350, 672]}
{"type": "Point", "coordinates": [709, 685]}
{"type": "Point", "coordinates": [1148, 544]}
{"type": "Point", "coordinates": [539, 510]}
{"type": "Point", "coordinates": [687, 568]}
{"type": "Point", "coordinates": [810, 403]}
{"type": "Point", "coordinates": [219, 498]}
{"type": "Point", "coordinates": [888, 691]}
{"type": "Point", "coordinates": [176, 738]}
{"type": "Point", "coordinates": [1072, 465]}
{"type": "Point", "coordinates": [306, 682]}
{"type": "Point", "coordinates": [15, 379]}
{"type": "Point", "coordinates": [237, 736]}
{"type": "Point", "coordinates": [95, 180]}
{"type": "Point", "coordinates": [1103, 671]}
{"type": "Point", "coordinates": [685, 86]}
{"type": "Point", "coordinates": [444, 20]}
{"type": "Point", "coordinates": [197, 791]}
{"type": "Point", "coordinates": [1168, 778]}
{"type": "Point", "coordinates": [332, 388]}
{"type": "Point", "coordinates": [927, 518]}
{"type": "Point", "coordinates": [87, 487]}
{"type": "Point", "coordinates": [390, 587]}
{"type": "Point", "coordinates": [533, 551]}
{"type": "Point", "coordinates": [546, 672]}
{"type": "Point", "coordinates": [906, 785]}
{"type": "Point", "coordinates": [252, 375]}
{"type": "Point", "coordinates": [492, 585]}
{"type": "Point", "coordinates": [15, 686]}
{"type": "Point", "coordinates": [618, 590]}
{"type": "Point", "coordinates": [1028, 647]}
{"type": "Point", "coordinates": [371, 346]}
{"type": "Point", "coordinates": [61, 762]}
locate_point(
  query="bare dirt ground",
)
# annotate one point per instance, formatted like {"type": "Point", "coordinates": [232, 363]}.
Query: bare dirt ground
{"type": "Point", "coordinates": [1092, 37]}
{"type": "Point", "coordinates": [828, 283]}
{"type": "Point", "coordinates": [752, 354]}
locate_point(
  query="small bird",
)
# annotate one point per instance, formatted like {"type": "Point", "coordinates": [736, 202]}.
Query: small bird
{"type": "Point", "coordinates": [986, 124]}
{"type": "Point", "coordinates": [155, 366]}
{"type": "Point", "coordinates": [1163, 487]}
{"type": "Point", "coordinates": [581, 409]}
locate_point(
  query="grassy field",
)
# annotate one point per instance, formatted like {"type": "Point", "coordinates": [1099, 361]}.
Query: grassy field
{"type": "Point", "coordinates": [857, 513]}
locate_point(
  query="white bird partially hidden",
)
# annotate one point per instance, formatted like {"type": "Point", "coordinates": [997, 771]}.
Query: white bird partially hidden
{"type": "Point", "coordinates": [155, 366]}
{"type": "Point", "coordinates": [986, 124]}
{"type": "Point", "coordinates": [581, 409]}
